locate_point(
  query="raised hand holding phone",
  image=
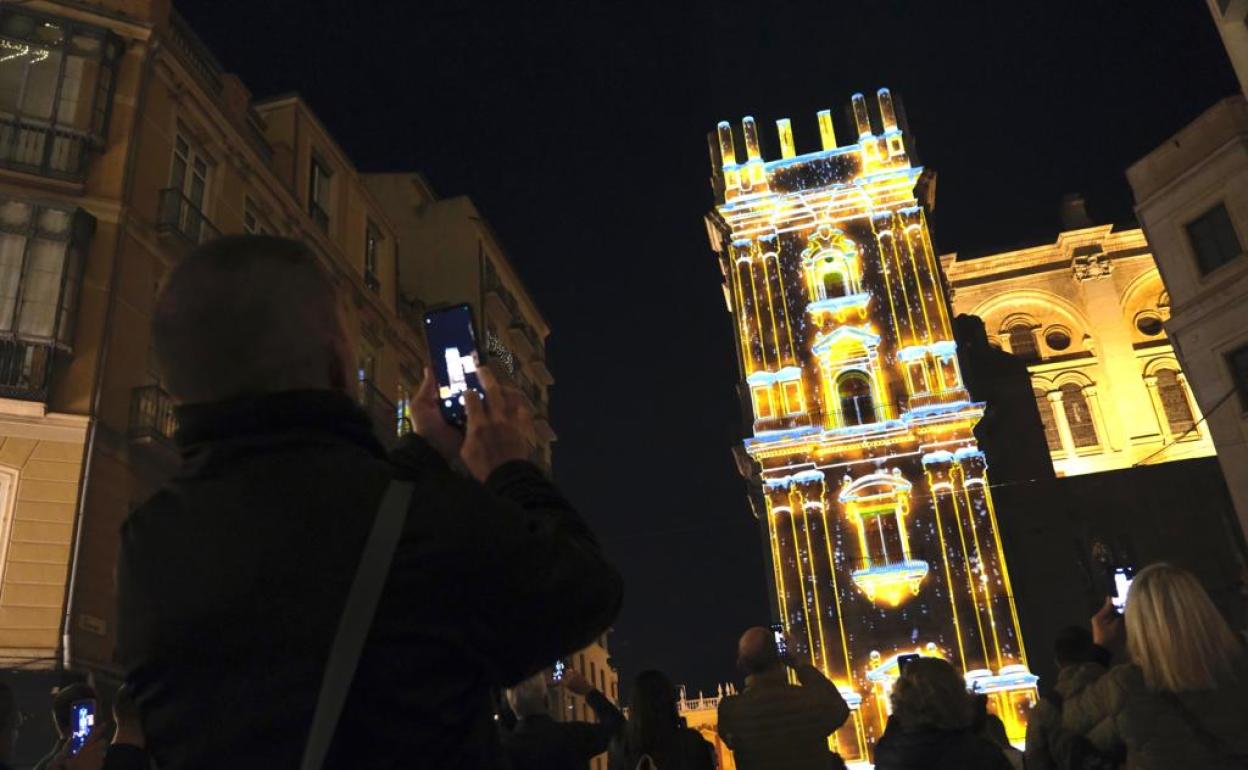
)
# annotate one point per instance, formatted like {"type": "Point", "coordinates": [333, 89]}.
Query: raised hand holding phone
{"type": "Point", "coordinates": [1107, 625]}
{"type": "Point", "coordinates": [497, 433]}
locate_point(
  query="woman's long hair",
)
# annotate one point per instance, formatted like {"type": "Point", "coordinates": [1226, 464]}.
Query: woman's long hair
{"type": "Point", "coordinates": [1175, 634]}
{"type": "Point", "coordinates": [653, 719]}
{"type": "Point", "coordinates": [931, 693]}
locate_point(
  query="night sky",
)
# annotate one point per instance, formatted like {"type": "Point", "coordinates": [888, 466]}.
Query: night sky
{"type": "Point", "coordinates": [579, 129]}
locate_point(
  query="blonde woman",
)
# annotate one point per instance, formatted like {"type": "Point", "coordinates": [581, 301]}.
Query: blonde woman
{"type": "Point", "coordinates": [1182, 701]}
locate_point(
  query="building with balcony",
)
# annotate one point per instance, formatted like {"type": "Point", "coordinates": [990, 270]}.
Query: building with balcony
{"type": "Point", "coordinates": [1191, 197]}
{"type": "Point", "coordinates": [123, 144]}
{"type": "Point", "coordinates": [450, 254]}
{"type": "Point", "coordinates": [1087, 314]}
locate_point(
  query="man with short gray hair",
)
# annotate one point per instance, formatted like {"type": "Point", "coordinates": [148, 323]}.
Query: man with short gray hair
{"type": "Point", "coordinates": [233, 577]}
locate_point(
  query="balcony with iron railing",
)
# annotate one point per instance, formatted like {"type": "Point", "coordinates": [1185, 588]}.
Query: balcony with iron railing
{"type": "Point", "coordinates": [177, 216]}
{"type": "Point", "coordinates": [153, 421]}
{"type": "Point", "coordinates": [25, 370]}
{"type": "Point", "coordinates": [938, 398]}
{"type": "Point", "coordinates": [36, 147]}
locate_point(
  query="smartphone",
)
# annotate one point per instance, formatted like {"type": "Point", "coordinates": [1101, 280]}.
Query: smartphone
{"type": "Point", "coordinates": [1122, 585]}
{"type": "Point", "coordinates": [904, 660]}
{"type": "Point", "coordinates": [782, 644]}
{"type": "Point", "coordinates": [560, 667]}
{"type": "Point", "coordinates": [453, 346]}
{"type": "Point", "coordinates": [81, 719]}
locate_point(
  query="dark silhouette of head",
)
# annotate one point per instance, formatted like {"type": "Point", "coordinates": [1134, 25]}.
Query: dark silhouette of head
{"type": "Point", "coordinates": [756, 652]}
{"type": "Point", "coordinates": [654, 716]}
{"type": "Point", "coordinates": [931, 693]}
{"type": "Point", "coordinates": [1073, 645]}
{"type": "Point", "coordinates": [247, 315]}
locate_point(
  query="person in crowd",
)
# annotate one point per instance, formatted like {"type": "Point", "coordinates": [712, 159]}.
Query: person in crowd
{"type": "Point", "coordinates": [775, 725]}
{"type": "Point", "coordinates": [655, 736]}
{"type": "Point", "coordinates": [10, 720]}
{"type": "Point", "coordinates": [233, 577]}
{"type": "Point", "coordinates": [538, 742]}
{"type": "Point", "coordinates": [933, 724]}
{"type": "Point", "coordinates": [1048, 743]}
{"type": "Point", "coordinates": [994, 731]}
{"type": "Point", "coordinates": [62, 702]}
{"type": "Point", "coordinates": [1182, 700]}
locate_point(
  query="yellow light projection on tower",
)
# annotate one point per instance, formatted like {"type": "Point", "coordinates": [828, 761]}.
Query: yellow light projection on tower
{"type": "Point", "coordinates": [884, 539]}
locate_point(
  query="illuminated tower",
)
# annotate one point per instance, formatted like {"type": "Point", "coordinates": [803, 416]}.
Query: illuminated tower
{"type": "Point", "coordinates": [883, 536]}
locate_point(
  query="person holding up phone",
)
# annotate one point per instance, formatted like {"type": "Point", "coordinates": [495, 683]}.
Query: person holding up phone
{"type": "Point", "coordinates": [233, 578]}
{"type": "Point", "coordinates": [772, 724]}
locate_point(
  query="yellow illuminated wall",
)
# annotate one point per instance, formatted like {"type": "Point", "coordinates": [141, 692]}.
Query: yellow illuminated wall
{"type": "Point", "coordinates": [883, 535]}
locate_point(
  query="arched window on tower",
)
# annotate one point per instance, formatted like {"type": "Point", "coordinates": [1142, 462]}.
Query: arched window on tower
{"type": "Point", "coordinates": [834, 284]}
{"type": "Point", "coordinates": [1023, 341]}
{"type": "Point", "coordinates": [1079, 416]}
{"type": "Point", "coordinates": [857, 404]}
{"type": "Point", "coordinates": [1174, 402]}
{"type": "Point", "coordinates": [1045, 407]}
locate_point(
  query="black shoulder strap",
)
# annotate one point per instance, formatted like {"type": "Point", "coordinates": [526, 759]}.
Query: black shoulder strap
{"type": "Point", "coordinates": [357, 619]}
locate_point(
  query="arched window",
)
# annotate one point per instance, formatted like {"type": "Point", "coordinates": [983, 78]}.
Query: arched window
{"type": "Point", "coordinates": [1023, 342]}
{"type": "Point", "coordinates": [833, 284]}
{"type": "Point", "coordinates": [1045, 407]}
{"type": "Point", "coordinates": [857, 405]}
{"type": "Point", "coordinates": [1078, 416]}
{"type": "Point", "coordinates": [1174, 402]}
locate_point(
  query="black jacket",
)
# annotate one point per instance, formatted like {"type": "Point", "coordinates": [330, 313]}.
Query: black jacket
{"type": "Point", "coordinates": [687, 750]}
{"type": "Point", "coordinates": [927, 748]}
{"type": "Point", "coordinates": [232, 578]}
{"type": "Point", "coordinates": [540, 743]}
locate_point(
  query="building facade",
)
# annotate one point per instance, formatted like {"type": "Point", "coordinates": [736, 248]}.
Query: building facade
{"type": "Point", "coordinates": [883, 536]}
{"type": "Point", "coordinates": [1191, 197]}
{"type": "Point", "coordinates": [451, 254]}
{"type": "Point", "coordinates": [1087, 313]}
{"type": "Point", "coordinates": [593, 663]}
{"type": "Point", "coordinates": [123, 144]}
{"type": "Point", "coordinates": [702, 714]}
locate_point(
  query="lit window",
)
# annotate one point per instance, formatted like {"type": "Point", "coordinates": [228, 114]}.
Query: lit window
{"type": "Point", "coordinates": [1023, 342]}
{"type": "Point", "coordinates": [918, 379]}
{"type": "Point", "coordinates": [1079, 416]}
{"type": "Point", "coordinates": [1057, 339]}
{"type": "Point", "coordinates": [949, 374]}
{"type": "Point", "coordinates": [1149, 325]}
{"type": "Point", "coordinates": [1049, 420]}
{"type": "Point", "coordinates": [793, 402]}
{"type": "Point", "coordinates": [1174, 402]}
{"type": "Point", "coordinates": [56, 86]}
{"type": "Point", "coordinates": [41, 259]}
{"type": "Point", "coordinates": [762, 403]}
{"type": "Point", "coordinates": [182, 204]}
{"type": "Point", "coordinates": [833, 284]}
{"type": "Point", "coordinates": [857, 405]}
{"type": "Point", "coordinates": [1213, 239]}
{"type": "Point", "coordinates": [318, 193]}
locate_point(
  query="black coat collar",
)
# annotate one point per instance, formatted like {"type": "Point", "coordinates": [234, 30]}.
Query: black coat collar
{"type": "Point", "coordinates": [274, 416]}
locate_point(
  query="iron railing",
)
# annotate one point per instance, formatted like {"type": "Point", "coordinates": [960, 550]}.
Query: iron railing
{"type": "Point", "coordinates": [24, 370]}
{"type": "Point", "coordinates": [38, 148]}
{"type": "Point", "coordinates": [177, 214]}
{"type": "Point", "coordinates": [152, 416]}
{"type": "Point", "coordinates": [194, 53]}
